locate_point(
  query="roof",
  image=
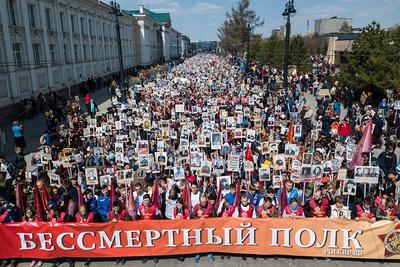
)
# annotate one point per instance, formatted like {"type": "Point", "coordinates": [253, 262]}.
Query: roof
{"type": "Point", "coordinates": [162, 18]}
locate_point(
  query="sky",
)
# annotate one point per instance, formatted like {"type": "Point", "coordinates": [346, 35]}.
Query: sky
{"type": "Point", "coordinates": [199, 19]}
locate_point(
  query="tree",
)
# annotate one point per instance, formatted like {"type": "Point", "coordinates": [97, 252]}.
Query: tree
{"type": "Point", "coordinates": [373, 63]}
{"type": "Point", "coordinates": [346, 28]}
{"type": "Point", "coordinates": [298, 53]}
{"type": "Point", "coordinates": [315, 44]}
{"type": "Point", "coordinates": [233, 31]}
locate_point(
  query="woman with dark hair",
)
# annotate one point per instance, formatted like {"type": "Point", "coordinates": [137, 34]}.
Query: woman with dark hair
{"type": "Point", "coordinates": [30, 216]}
{"type": "Point", "coordinates": [180, 211]}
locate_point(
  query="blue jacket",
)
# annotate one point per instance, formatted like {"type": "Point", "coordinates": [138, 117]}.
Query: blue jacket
{"type": "Point", "coordinates": [255, 199]}
{"type": "Point", "coordinates": [230, 198]}
{"type": "Point", "coordinates": [91, 204]}
{"type": "Point", "coordinates": [103, 206]}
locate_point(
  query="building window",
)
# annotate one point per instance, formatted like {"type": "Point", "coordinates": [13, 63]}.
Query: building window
{"type": "Point", "coordinates": [76, 52]}
{"type": "Point", "coordinates": [52, 49]}
{"type": "Point", "coordinates": [85, 52]}
{"type": "Point", "coordinates": [31, 13]}
{"type": "Point", "coordinates": [83, 25]}
{"type": "Point", "coordinates": [90, 27]}
{"type": "Point", "coordinates": [73, 23]}
{"type": "Point", "coordinates": [48, 18]}
{"type": "Point", "coordinates": [17, 49]}
{"type": "Point", "coordinates": [11, 13]}
{"type": "Point", "coordinates": [66, 53]}
{"type": "Point", "coordinates": [93, 53]}
{"type": "Point", "coordinates": [36, 54]}
{"type": "Point", "coordinates": [62, 21]}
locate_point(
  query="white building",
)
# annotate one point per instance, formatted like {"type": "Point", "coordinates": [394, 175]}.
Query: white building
{"type": "Point", "coordinates": [49, 45]}
{"type": "Point", "coordinates": [52, 44]}
{"type": "Point", "coordinates": [159, 41]}
{"type": "Point", "coordinates": [331, 25]}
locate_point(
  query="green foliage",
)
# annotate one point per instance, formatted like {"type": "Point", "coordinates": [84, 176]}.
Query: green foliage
{"type": "Point", "coordinates": [233, 32]}
{"type": "Point", "coordinates": [346, 28]}
{"type": "Point", "coordinates": [297, 51]}
{"type": "Point", "coordinates": [374, 62]}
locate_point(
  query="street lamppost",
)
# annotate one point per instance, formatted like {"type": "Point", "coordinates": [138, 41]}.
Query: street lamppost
{"type": "Point", "coordinates": [289, 11]}
{"type": "Point", "coordinates": [248, 32]}
{"type": "Point", "coordinates": [117, 11]}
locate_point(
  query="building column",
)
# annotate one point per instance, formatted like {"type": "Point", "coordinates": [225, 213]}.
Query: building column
{"type": "Point", "coordinates": [83, 69]}
{"type": "Point", "coordinates": [28, 44]}
{"type": "Point", "coordinates": [90, 58]}
{"type": "Point", "coordinates": [13, 91]}
{"type": "Point", "coordinates": [71, 45]}
{"type": "Point", "coordinates": [46, 44]}
{"type": "Point", "coordinates": [60, 42]}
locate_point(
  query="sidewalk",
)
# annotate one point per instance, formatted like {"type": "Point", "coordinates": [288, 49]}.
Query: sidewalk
{"type": "Point", "coordinates": [34, 128]}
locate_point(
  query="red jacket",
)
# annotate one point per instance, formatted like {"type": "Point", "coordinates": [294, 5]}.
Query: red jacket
{"type": "Point", "coordinates": [323, 208]}
{"type": "Point", "coordinates": [89, 218]}
{"type": "Point", "coordinates": [119, 217]}
{"type": "Point", "coordinates": [147, 213]}
{"type": "Point", "coordinates": [87, 99]}
{"type": "Point", "coordinates": [228, 212]}
{"type": "Point", "coordinates": [180, 216]}
{"type": "Point", "coordinates": [378, 203]}
{"type": "Point", "coordinates": [205, 212]}
{"type": "Point", "coordinates": [269, 212]}
{"type": "Point", "coordinates": [245, 214]}
{"type": "Point", "coordinates": [59, 219]}
{"type": "Point", "coordinates": [344, 129]}
{"type": "Point", "coordinates": [360, 211]}
{"type": "Point", "coordinates": [299, 212]}
{"type": "Point", "coordinates": [36, 219]}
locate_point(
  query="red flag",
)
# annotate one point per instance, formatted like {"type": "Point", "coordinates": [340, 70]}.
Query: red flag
{"type": "Point", "coordinates": [186, 197]}
{"type": "Point", "coordinates": [249, 154]}
{"type": "Point", "coordinates": [39, 206]}
{"type": "Point", "coordinates": [237, 194]}
{"type": "Point", "coordinates": [291, 132]}
{"type": "Point", "coordinates": [112, 194]}
{"type": "Point", "coordinates": [130, 206]}
{"type": "Point", "coordinates": [19, 200]}
{"type": "Point", "coordinates": [155, 196]}
{"type": "Point", "coordinates": [45, 197]}
{"type": "Point", "coordinates": [249, 157]}
{"type": "Point", "coordinates": [282, 198]}
{"type": "Point", "coordinates": [219, 195]}
{"type": "Point", "coordinates": [364, 146]}
{"type": "Point", "coordinates": [81, 202]}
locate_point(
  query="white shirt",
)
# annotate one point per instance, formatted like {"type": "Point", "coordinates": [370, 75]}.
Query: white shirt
{"type": "Point", "coordinates": [195, 199]}
{"type": "Point", "coordinates": [170, 205]}
{"type": "Point", "coordinates": [343, 213]}
{"type": "Point", "coordinates": [3, 167]}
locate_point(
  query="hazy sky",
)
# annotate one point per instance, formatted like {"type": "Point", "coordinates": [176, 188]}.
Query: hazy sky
{"type": "Point", "coordinates": [199, 19]}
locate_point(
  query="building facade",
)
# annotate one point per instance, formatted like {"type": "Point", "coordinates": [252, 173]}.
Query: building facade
{"type": "Point", "coordinates": [332, 25]}
{"type": "Point", "coordinates": [279, 33]}
{"type": "Point", "coordinates": [160, 42]}
{"type": "Point", "coordinates": [52, 44]}
{"type": "Point", "coordinates": [338, 46]}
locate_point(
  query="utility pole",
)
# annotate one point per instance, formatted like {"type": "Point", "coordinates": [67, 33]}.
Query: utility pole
{"type": "Point", "coordinates": [289, 11]}
{"type": "Point", "coordinates": [117, 11]}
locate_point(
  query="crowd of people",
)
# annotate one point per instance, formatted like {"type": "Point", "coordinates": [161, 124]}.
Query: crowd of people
{"type": "Point", "coordinates": [211, 137]}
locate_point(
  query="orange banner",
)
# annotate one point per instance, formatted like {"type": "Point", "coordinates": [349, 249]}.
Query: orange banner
{"type": "Point", "coordinates": [289, 237]}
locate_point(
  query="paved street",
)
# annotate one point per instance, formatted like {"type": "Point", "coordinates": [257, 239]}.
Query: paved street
{"type": "Point", "coordinates": [33, 128]}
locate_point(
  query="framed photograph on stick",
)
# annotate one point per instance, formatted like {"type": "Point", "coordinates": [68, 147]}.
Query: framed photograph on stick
{"type": "Point", "coordinates": [91, 176]}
